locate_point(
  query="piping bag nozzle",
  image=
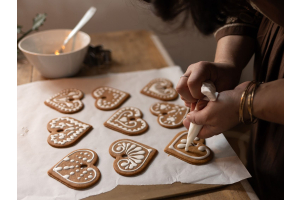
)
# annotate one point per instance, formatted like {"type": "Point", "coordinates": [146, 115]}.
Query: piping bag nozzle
{"type": "Point", "coordinates": [209, 90]}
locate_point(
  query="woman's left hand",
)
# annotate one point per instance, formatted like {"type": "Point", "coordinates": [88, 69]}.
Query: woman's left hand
{"type": "Point", "coordinates": [218, 116]}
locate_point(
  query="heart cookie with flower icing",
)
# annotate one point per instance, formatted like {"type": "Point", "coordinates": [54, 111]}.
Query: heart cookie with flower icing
{"type": "Point", "coordinates": [127, 120]}
{"type": "Point", "coordinates": [169, 115]}
{"type": "Point", "coordinates": [66, 101]}
{"type": "Point", "coordinates": [108, 98]}
{"type": "Point", "coordinates": [66, 131]}
{"type": "Point", "coordinates": [77, 169]}
{"type": "Point", "coordinates": [132, 157]}
{"type": "Point", "coordinates": [197, 154]}
{"type": "Point", "coordinates": [160, 88]}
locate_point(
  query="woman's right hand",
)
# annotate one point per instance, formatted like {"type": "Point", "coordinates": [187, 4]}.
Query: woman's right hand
{"type": "Point", "coordinates": [224, 76]}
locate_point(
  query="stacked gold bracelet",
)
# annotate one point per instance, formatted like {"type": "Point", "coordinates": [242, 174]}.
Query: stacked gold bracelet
{"type": "Point", "coordinates": [249, 95]}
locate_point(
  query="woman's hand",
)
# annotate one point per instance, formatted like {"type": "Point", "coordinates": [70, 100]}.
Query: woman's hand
{"type": "Point", "coordinates": [225, 77]}
{"type": "Point", "coordinates": [218, 116]}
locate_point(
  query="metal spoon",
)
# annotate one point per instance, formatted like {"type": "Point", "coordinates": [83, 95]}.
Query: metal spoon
{"type": "Point", "coordinates": [87, 16]}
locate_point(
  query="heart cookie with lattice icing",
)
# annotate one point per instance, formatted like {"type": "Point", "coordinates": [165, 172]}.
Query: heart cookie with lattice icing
{"type": "Point", "coordinates": [108, 98]}
{"type": "Point", "coordinates": [160, 88]}
{"type": "Point", "coordinates": [169, 115]}
{"type": "Point", "coordinates": [197, 154]}
{"type": "Point", "coordinates": [66, 131]}
{"type": "Point", "coordinates": [77, 169]}
{"type": "Point", "coordinates": [67, 101]}
{"type": "Point", "coordinates": [132, 157]}
{"type": "Point", "coordinates": [127, 120]}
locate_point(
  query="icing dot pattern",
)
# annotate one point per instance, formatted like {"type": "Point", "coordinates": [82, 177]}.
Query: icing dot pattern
{"type": "Point", "coordinates": [197, 153]}
{"type": "Point", "coordinates": [66, 130]}
{"type": "Point", "coordinates": [108, 98]}
{"type": "Point", "coordinates": [160, 88]}
{"type": "Point", "coordinates": [127, 120]}
{"type": "Point", "coordinates": [66, 101]}
{"type": "Point", "coordinates": [169, 115]}
{"type": "Point", "coordinates": [65, 168]}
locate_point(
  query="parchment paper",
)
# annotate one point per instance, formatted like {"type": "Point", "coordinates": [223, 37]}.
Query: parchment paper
{"type": "Point", "coordinates": [36, 156]}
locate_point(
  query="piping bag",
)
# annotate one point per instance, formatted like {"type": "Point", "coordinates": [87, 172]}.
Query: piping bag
{"type": "Point", "coordinates": [209, 90]}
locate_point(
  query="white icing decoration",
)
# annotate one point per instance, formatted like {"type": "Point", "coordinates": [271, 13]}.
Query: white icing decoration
{"type": "Point", "coordinates": [67, 158]}
{"type": "Point", "coordinates": [173, 112]}
{"type": "Point", "coordinates": [181, 146]}
{"type": "Point", "coordinates": [62, 102]}
{"type": "Point", "coordinates": [57, 168]}
{"type": "Point", "coordinates": [135, 155]}
{"type": "Point", "coordinates": [70, 132]}
{"type": "Point", "coordinates": [160, 88]}
{"type": "Point", "coordinates": [184, 154]}
{"type": "Point", "coordinates": [202, 148]}
{"type": "Point", "coordinates": [66, 176]}
{"type": "Point", "coordinates": [90, 176]}
{"type": "Point", "coordinates": [117, 96]}
{"type": "Point", "coordinates": [118, 120]}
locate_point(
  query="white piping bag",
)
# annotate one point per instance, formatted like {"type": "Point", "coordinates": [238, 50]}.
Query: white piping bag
{"type": "Point", "coordinates": [209, 90]}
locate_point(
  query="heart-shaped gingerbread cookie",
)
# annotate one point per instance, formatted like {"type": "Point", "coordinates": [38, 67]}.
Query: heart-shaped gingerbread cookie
{"type": "Point", "coordinates": [160, 88]}
{"type": "Point", "coordinates": [108, 98]}
{"type": "Point", "coordinates": [77, 169]}
{"type": "Point", "coordinates": [127, 120]}
{"type": "Point", "coordinates": [197, 154]}
{"type": "Point", "coordinates": [131, 157]}
{"type": "Point", "coordinates": [66, 101]}
{"type": "Point", "coordinates": [169, 115]}
{"type": "Point", "coordinates": [66, 131]}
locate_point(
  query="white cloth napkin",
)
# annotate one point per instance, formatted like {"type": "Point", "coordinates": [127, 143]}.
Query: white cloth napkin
{"type": "Point", "coordinates": [36, 156]}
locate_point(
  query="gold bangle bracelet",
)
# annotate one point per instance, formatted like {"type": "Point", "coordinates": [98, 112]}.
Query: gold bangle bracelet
{"type": "Point", "coordinates": [253, 119]}
{"type": "Point", "coordinates": [242, 102]}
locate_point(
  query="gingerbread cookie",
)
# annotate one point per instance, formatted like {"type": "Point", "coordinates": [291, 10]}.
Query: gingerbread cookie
{"type": "Point", "coordinates": [127, 120]}
{"type": "Point", "coordinates": [66, 101]}
{"type": "Point", "coordinates": [108, 98]}
{"type": "Point", "coordinates": [77, 169]}
{"type": "Point", "coordinates": [169, 115]}
{"type": "Point", "coordinates": [131, 157]}
{"type": "Point", "coordinates": [197, 154]}
{"type": "Point", "coordinates": [66, 131]}
{"type": "Point", "coordinates": [160, 88]}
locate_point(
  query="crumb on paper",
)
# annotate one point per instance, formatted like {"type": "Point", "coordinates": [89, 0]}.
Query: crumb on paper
{"type": "Point", "coordinates": [24, 131]}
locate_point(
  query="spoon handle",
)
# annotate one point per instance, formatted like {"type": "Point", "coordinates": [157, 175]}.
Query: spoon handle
{"type": "Point", "coordinates": [87, 16]}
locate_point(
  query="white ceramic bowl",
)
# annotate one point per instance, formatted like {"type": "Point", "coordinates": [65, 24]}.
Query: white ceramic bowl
{"type": "Point", "coordinates": [39, 49]}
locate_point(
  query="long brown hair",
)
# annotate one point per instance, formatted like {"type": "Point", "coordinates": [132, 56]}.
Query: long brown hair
{"type": "Point", "coordinates": [207, 15]}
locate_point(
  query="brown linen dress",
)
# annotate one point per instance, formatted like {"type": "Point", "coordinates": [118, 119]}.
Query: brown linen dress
{"type": "Point", "coordinates": [266, 151]}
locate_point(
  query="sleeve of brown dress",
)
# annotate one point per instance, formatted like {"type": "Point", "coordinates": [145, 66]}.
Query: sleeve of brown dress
{"type": "Point", "coordinates": [245, 22]}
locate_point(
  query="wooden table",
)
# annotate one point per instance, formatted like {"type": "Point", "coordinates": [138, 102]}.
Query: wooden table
{"type": "Point", "coordinates": [134, 51]}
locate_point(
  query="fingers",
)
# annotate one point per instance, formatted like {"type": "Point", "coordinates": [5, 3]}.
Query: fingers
{"type": "Point", "coordinates": [200, 105]}
{"type": "Point", "coordinates": [189, 85]}
{"type": "Point", "coordinates": [186, 123]}
{"type": "Point", "coordinates": [197, 117]}
{"type": "Point", "coordinates": [206, 132]}
{"type": "Point", "coordinates": [183, 89]}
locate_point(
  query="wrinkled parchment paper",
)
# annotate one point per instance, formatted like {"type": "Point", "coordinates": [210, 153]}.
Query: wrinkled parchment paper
{"type": "Point", "coordinates": [36, 156]}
